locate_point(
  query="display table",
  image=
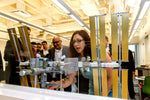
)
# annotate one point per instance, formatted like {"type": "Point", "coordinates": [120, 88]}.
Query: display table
{"type": "Point", "coordinates": [13, 92]}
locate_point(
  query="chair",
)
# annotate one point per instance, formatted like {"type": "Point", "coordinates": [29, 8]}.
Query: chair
{"type": "Point", "coordinates": [146, 88]}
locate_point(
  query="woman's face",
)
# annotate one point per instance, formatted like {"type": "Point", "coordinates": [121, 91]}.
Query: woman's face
{"type": "Point", "coordinates": [78, 43]}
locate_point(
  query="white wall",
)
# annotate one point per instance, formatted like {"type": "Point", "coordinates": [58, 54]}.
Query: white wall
{"type": "Point", "coordinates": [144, 51]}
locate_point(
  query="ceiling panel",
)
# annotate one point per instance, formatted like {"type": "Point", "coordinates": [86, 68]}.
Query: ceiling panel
{"type": "Point", "coordinates": [45, 14]}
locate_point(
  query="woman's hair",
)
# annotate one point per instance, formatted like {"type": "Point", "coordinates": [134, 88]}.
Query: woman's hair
{"type": "Point", "coordinates": [87, 49]}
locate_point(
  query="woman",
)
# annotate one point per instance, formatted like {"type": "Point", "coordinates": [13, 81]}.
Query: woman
{"type": "Point", "coordinates": [80, 47]}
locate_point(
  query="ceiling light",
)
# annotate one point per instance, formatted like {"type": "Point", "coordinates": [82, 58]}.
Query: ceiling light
{"type": "Point", "coordinates": [59, 4]}
{"type": "Point", "coordinates": [87, 29]}
{"type": "Point", "coordinates": [21, 13]}
{"type": "Point", "coordinates": [141, 12]}
{"type": "Point", "coordinates": [76, 19]}
{"type": "Point", "coordinates": [137, 24]}
{"type": "Point", "coordinates": [131, 3]}
{"type": "Point", "coordinates": [49, 26]}
{"type": "Point", "coordinates": [144, 9]}
{"type": "Point", "coordinates": [132, 35]}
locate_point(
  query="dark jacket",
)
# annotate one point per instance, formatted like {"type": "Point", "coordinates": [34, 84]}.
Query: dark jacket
{"type": "Point", "coordinates": [130, 65]}
{"type": "Point", "coordinates": [11, 76]}
{"type": "Point", "coordinates": [65, 51]}
{"type": "Point", "coordinates": [42, 54]}
{"type": "Point", "coordinates": [1, 68]}
{"type": "Point", "coordinates": [1, 62]}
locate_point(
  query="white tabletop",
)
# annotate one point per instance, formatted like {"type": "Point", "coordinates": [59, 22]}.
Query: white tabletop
{"type": "Point", "coordinates": [28, 93]}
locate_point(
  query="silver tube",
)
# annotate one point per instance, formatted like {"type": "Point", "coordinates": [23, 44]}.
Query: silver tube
{"type": "Point", "coordinates": [26, 42]}
{"type": "Point", "coordinates": [35, 81]}
{"type": "Point", "coordinates": [15, 45]}
{"type": "Point", "coordinates": [119, 91]}
{"type": "Point", "coordinates": [98, 55]}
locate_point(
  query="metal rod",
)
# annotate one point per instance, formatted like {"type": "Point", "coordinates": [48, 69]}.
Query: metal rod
{"type": "Point", "coordinates": [26, 42]}
{"type": "Point", "coordinates": [61, 89]}
{"type": "Point", "coordinates": [119, 13]}
{"type": "Point", "coordinates": [12, 33]}
{"type": "Point", "coordinates": [98, 55]}
{"type": "Point", "coordinates": [119, 93]}
{"type": "Point", "coordinates": [78, 79]}
{"type": "Point", "coordinates": [35, 80]}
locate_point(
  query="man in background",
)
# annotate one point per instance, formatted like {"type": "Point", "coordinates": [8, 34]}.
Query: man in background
{"type": "Point", "coordinates": [38, 55]}
{"type": "Point", "coordinates": [1, 68]}
{"type": "Point", "coordinates": [130, 65]}
{"type": "Point", "coordinates": [1, 62]}
{"type": "Point", "coordinates": [56, 53]}
{"type": "Point", "coordinates": [58, 50]}
{"type": "Point", "coordinates": [45, 51]}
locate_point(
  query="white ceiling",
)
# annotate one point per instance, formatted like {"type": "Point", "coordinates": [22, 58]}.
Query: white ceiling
{"type": "Point", "coordinates": [46, 13]}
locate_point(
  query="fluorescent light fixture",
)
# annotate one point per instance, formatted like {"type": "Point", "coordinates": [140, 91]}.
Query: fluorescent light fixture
{"type": "Point", "coordinates": [86, 29]}
{"type": "Point", "coordinates": [58, 3]}
{"type": "Point", "coordinates": [21, 13]}
{"type": "Point", "coordinates": [9, 19]}
{"type": "Point", "coordinates": [144, 9]}
{"type": "Point", "coordinates": [140, 16]}
{"type": "Point", "coordinates": [132, 35]}
{"type": "Point", "coordinates": [49, 26]}
{"type": "Point", "coordinates": [76, 19]}
{"type": "Point", "coordinates": [131, 3]}
{"type": "Point", "coordinates": [137, 24]}
{"type": "Point", "coordinates": [61, 4]}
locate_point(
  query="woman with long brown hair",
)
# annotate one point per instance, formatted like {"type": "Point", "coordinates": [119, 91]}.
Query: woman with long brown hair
{"type": "Point", "coordinates": [80, 47]}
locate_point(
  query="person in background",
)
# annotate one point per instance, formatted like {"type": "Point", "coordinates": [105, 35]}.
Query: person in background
{"type": "Point", "coordinates": [1, 62]}
{"type": "Point", "coordinates": [1, 68]}
{"type": "Point", "coordinates": [39, 47]}
{"type": "Point", "coordinates": [11, 76]}
{"type": "Point", "coordinates": [45, 51]}
{"type": "Point", "coordinates": [56, 52]}
{"type": "Point", "coordinates": [80, 47]}
{"type": "Point", "coordinates": [130, 65]}
{"type": "Point", "coordinates": [34, 48]}
{"type": "Point", "coordinates": [108, 46]}
{"type": "Point", "coordinates": [38, 55]}
{"type": "Point", "coordinates": [50, 45]}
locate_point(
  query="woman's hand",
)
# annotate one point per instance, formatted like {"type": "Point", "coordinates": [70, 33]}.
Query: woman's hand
{"type": "Point", "coordinates": [53, 87]}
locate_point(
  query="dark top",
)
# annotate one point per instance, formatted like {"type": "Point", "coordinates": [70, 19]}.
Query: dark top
{"type": "Point", "coordinates": [10, 73]}
{"type": "Point", "coordinates": [65, 51]}
{"type": "Point", "coordinates": [1, 62]}
{"type": "Point", "coordinates": [130, 65]}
